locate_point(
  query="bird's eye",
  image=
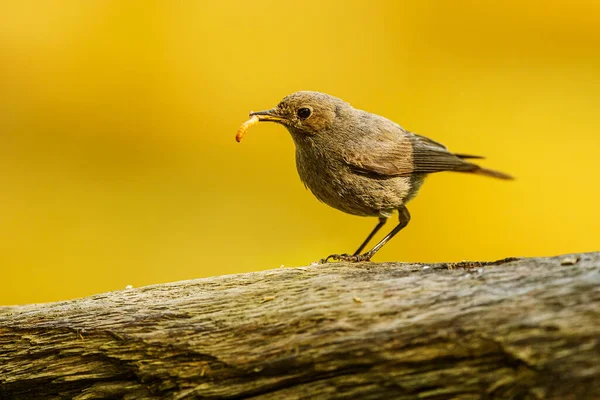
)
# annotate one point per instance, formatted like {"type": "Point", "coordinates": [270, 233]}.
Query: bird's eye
{"type": "Point", "coordinates": [303, 113]}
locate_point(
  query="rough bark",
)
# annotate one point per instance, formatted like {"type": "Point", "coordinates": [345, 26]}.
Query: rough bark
{"type": "Point", "coordinates": [516, 328]}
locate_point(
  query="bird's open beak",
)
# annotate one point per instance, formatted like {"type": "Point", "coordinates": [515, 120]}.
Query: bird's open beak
{"type": "Point", "coordinates": [268, 115]}
{"type": "Point", "coordinates": [256, 117]}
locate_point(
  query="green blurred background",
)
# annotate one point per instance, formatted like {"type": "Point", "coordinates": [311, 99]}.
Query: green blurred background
{"type": "Point", "coordinates": [117, 123]}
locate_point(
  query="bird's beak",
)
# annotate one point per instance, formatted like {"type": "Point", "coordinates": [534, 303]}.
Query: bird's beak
{"type": "Point", "coordinates": [268, 115]}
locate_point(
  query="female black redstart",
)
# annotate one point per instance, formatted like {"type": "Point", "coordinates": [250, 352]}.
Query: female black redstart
{"type": "Point", "coordinates": [358, 162]}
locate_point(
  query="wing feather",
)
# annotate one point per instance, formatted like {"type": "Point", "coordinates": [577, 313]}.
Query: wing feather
{"type": "Point", "coordinates": [402, 153]}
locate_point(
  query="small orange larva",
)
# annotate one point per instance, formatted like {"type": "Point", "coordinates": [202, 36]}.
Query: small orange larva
{"type": "Point", "coordinates": [244, 127]}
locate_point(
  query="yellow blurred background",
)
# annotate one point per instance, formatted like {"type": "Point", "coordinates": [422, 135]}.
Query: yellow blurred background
{"type": "Point", "coordinates": [117, 123]}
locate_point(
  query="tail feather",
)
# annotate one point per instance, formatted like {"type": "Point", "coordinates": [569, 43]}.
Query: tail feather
{"type": "Point", "coordinates": [490, 172]}
{"type": "Point", "coordinates": [464, 156]}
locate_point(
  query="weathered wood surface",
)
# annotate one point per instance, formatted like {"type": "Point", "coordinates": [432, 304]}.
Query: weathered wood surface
{"type": "Point", "coordinates": [527, 328]}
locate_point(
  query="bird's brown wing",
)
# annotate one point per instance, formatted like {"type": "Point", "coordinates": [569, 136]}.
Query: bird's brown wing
{"type": "Point", "coordinates": [405, 154]}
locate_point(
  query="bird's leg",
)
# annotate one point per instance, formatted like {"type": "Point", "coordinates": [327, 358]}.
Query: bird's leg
{"type": "Point", "coordinates": [404, 219]}
{"type": "Point", "coordinates": [346, 256]}
{"type": "Point", "coordinates": [382, 221]}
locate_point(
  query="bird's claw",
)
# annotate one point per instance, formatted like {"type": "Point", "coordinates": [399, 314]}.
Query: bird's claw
{"type": "Point", "coordinates": [347, 257]}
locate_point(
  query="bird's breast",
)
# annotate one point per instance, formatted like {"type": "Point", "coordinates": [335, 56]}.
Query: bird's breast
{"type": "Point", "coordinates": [330, 179]}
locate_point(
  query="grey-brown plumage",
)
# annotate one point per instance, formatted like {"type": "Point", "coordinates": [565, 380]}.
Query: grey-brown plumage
{"type": "Point", "coordinates": [361, 163]}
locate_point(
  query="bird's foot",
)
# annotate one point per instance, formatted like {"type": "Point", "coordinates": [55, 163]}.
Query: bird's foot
{"type": "Point", "coordinates": [347, 257]}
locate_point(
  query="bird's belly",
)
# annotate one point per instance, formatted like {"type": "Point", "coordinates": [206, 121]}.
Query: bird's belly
{"type": "Point", "coordinates": [356, 194]}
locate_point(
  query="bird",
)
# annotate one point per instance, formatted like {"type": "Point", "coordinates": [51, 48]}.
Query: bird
{"type": "Point", "coordinates": [359, 162]}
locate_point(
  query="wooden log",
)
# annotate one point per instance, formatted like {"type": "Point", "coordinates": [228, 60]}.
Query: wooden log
{"type": "Point", "coordinates": [515, 328]}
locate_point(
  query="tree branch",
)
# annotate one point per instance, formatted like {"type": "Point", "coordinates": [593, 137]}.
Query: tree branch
{"type": "Point", "coordinates": [516, 328]}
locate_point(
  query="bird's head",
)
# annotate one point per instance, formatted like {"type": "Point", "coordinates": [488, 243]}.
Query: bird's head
{"type": "Point", "coordinates": [305, 114]}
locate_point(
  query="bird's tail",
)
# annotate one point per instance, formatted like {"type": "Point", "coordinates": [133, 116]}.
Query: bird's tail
{"type": "Point", "coordinates": [489, 172]}
{"type": "Point", "coordinates": [469, 167]}
{"type": "Point", "coordinates": [464, 156]}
